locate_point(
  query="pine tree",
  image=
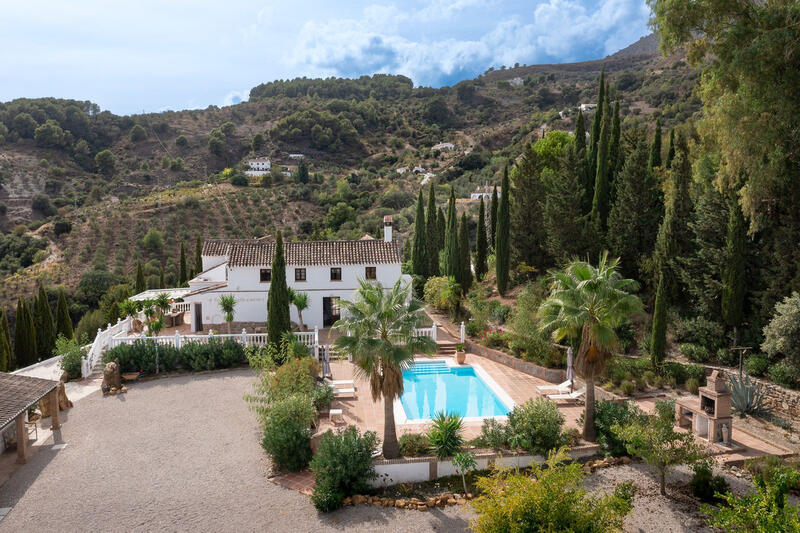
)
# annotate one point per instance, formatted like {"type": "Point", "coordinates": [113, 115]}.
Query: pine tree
{"type": "Point", "coordinates": [278, 321]}
{"type": "Point", "coordinates": [452, 254]}
{"type": "Point", "coordinates": [563, 216]}
{"type": "Point", "coordinates": [655, 148]}
{"type": "Point", "coordinates": [140, 285]}
{"type": "Point", "coordinates": [733, 275]}
{"type": "Point", "coordinates": [601, 202]}
{"type": "Point", "coordinates": [441, 225]}
{"type": "Point", "coordinates": [464, 252]}
{"type": "Point", "coordinates": [45, 328]}
{"type": "Point", "coordinates": [594, 138]}
{"type": "Point", "coordinates": [481, 248]}
{"type": "Point", "coordinates": [671, 151]}
{"type": "Point", "coordinates": [420, 263]}
{"type": "Point", "coordinates": [63, 320]}
{"type": "Point", "coordinates": [615, 156]}
{"type": "Point", "coordinates": [25, 352]}
{"type": "Point", "coordinates": [182, 277]}
{"type": "Point", "coordinates": [5, 346]}
{"type": "Point", "coordinates": [526, 223]}
{"type": "Point", "coordinates": [502, 238]}
{"type": "Point", "coordinates": [587, 187]}
{"type": "Point", "coordinates": [432, 227]}
{"type": "Point", "coordinates": [637, 210]}
{"type": "Point", "coordinates": [198, 256]}
{"type": "Point", "coordinates": [161, 283]}
{"type": "Point", "coordinates": [493, 216]}
{"type": "Point", "coordinates": [658, 338]}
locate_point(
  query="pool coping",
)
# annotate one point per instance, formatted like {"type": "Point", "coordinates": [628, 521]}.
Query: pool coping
{"type": "Point", "coordinates": [400, 417]}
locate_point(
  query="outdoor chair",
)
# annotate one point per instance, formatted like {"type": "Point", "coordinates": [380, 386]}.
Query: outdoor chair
{"type": "Point", "coordinates": [556, 389]}
{"type": "Point", "coordinates": [342, 383]}
{"type": "Point", "coordinates": [568, 397]}
{"type": "Point", "coordinates": [344, 393]}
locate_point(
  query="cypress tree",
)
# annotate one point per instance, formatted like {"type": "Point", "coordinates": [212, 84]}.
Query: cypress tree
{"type": "Point", "coordinates": [637, 210]}
{"type": "Point", "coordinates": [452, 254]}
{"type": "Point", "coordinates": [63, 320]}
{"type": "Point", "coordinates": [45, 328]}
{"type": "Point", "coordinates": [432, 227]}
{"type": "Point", "coordinates": [526, 224]}
{"type": "Point", "coordinates": [278, 321]}
{"type": "Point", "coordinates": [198, 256]}
{"type": "Point", "coordinates": [420, 263]}
{"type": "Point", "coordinates": [587, 187]}
{"type": "Point", "coordinates": [464, 252]}
{"type": "Point", "coordinates": [594, 138]}
{"type": "Point", "coordinates": [161, 283]}
{"type": "Point", "coordinates": [671, 151]}
{"type": "Point", "coordinates": [441, 225]}
{"type": "Point", "coordinates": [601, 202]}
{"type": "Point", "coordinates": [658, 338]}
{"type": "Point", "coordinates": [580, 132]}
{"type": "Point", "coordinates": [140, 283]}
{"type": "Point", "coordinates": [502, 244]}
{"type": "Point", "coordinates": [25, 352]}
{"type": "Point", "coordinates": [493, 216]}
{"type": "Point", "coordinates": [563, 214]}
{"type": "Point", "coordinates": [182, 278]}
{"type": "Point", "coordinates": [655, 148]}
{"type": "Point", "coordinates": [614, 149]}
{"type": "Point", "coordinates": [5, 329]}
{"type": "Point", "coordinates": [733, 282]}
{"type": "Point", "coordinates": [5, 346]}
{"type": "Point", "coordinates": [481, 248]}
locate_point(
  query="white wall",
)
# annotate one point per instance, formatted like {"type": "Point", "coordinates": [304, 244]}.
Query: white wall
{"type": "Point", "coordinates": [210, 261]}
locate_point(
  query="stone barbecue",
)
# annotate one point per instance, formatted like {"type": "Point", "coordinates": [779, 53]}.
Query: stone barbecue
{"type": "Point", "coordinates": [709, 415]}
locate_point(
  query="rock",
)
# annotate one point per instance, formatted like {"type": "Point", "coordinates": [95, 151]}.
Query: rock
{"type": "Point", "coordinates": [461, 501]}
{"type": "Point", "coordinates": [451, 501]}
{"type": "Point", "coordinates": [430, 502]}
{"type": "Point", "coordinates": [347, 501]}
{"type": "Point", "coordinates": [358, 499]}
{"type": "Point", "coordinates": [626, 460]}
{"type": "Point", "coordinates": [400, 503]}
{"type": "Point", "coordinates": [123, 389]}
{"type": "Point", "coordinates": [469, 495]}
{"type": "Point", "coordinates": [422, 507]}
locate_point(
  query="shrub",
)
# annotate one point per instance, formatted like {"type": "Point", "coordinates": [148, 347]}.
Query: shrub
{"type": "Point", "coordinates": [71, 355]}
{"type": "Point", "coordinates": [287, 432]}
{"type": "Point", "coordinates": [41, 203]}
{"type": "Point", "coordinates": [498, 312]}
{"type": "Point", "coordinates": [649, 377]}
{"type": "Point", "coordinates": [342, 466]}
{"type": "Point", "coordinates": [756, 365]}
{"type": "Point", "coordinates": [89, 324]}
{"type": "Point", "coordinates": [445, 434]}
{"type": "Point", "coordinates": [548, 499]}
{"type": "Point", "coordinates": [692, 385]}
{"type": "Point", "coordinates": [705, 485]}
{"type": "Point", "coordinates": [784, 374]}
{"type": "Point", "coordinates": [62, 226]}
{"type": "Point", "coordinates": [537, 424]}
{"type": "Point", "coordinates": [727, 357]}
{"type": "Point", "coordinates": [322, 397]}
{"type": "Point", "coordinates": [701, 331]}
{"type": "Point", "coordinates": [782, 334]}
{"type": "Point", "coordinates": [240, 180]}
{"type": "Point", "coordinates": [495, 338]}
{"type": "Point", "coordinates": [494, 434]}
{"type": "Point", "coordinates": [143, 356]}
{"type": "Point", "coordinates": [697, 372]}
{"type": "Point", "coordinates": [627, 387]}
{"type": "Point", "coordinates": [414, 445]}
{"type": "Point", "coordinates": [153, 240]}
{"type": "Point", "coordinates": [212, 354]}
{"type": "Point", "coordinates": [295, 377]}
{"type": "Point", "coordinates": [695, 352]}
{"type": "Point", "coordinates": [442, 293]}
{"type": "Point", "coordinates": [607, 414]}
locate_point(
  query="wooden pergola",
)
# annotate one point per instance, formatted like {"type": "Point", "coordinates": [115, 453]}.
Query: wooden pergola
{"type": "Point", "coordinates": [17, 395]}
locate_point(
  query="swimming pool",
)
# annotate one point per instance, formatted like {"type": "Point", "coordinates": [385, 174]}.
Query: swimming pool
{"type": "Point", "coordinates": [433, 386]}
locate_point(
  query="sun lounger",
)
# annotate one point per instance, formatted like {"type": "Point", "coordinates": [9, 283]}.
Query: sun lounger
{"type": "Point", "coordinates": [344, 383]}
{"type": "Point", "coordinates": [344, 393]}
{"type": "Point", "coordinates": [560, 388]}
{"type": "Point", "coordinates": [336, 414]}
{"type": "Point", "coordinates": [567, 397]}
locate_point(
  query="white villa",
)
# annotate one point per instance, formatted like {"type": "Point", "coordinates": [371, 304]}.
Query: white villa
{"type": "Point", "coordinates": [325, 270]}
{"type": "Point", "coordinates": [443, 146]}
{"type": "Point", "coordinates": [259, 166]}
{"type": "Point", "coordinates": [588, 107]}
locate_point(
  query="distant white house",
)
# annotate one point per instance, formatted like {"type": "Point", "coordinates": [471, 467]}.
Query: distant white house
{"type": "Point", "coordinates": [484, 192]}
{"type": "Point", "coordinates": [296, 156]}
{"type": "Point", "coordinates": [419, 169]}
{"type": "Point", "coordinates": [588, 107]}
{"type": "Point", "coordinates": [426, 178]}
{"type": "Point", "coordinates": [259, 166]}
{"type": "Point", "coordinates": [517, 81]}
{"type": "Point", "coordinates": [401, 170]}
{"type": "Point", "coordinates": [325, 270]}
{"type": "Point", "coordinates": [444, 146]}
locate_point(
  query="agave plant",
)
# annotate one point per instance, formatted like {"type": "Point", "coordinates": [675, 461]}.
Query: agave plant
{"type": "Point", "coordinates": [748, 397]}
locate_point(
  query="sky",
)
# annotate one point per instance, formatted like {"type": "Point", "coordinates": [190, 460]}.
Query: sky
{"type": "Point", "coordinates": [154, 55]}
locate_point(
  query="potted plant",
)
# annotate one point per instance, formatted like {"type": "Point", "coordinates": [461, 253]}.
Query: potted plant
{"type": "Point", "coordinates": [461, 354]}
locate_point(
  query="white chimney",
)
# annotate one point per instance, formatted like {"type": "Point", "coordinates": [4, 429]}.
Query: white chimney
{"type": "Point", "coordinates": [387, 228]}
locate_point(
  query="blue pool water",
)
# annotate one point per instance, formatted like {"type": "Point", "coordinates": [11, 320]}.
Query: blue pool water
{"type": "Point", "coordinates": [431, 387]}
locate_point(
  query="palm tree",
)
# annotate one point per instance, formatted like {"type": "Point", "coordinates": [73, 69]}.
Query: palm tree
{"type": "Point", "coordinates": [379, 334]}
{"type": "Point", "coordinates": [162, 303]}
{"type": "Point", "coordinates": [300, 301]}
{"type": "Point", "coordinates": [129, 308]}
{"type": "Point", "coordinates": [585, 305]}
{"type": "Point", "coordinates": [227, 302]}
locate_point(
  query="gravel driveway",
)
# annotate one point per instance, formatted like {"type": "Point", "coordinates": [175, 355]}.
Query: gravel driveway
{"type": "Point", "coordinates": [176, 454]}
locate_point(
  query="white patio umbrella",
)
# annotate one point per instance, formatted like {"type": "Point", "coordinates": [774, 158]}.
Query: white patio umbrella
{"type": "Point", "coordinates": [570, 371]}
{"type": "Point", "coordinates": [326, 362]}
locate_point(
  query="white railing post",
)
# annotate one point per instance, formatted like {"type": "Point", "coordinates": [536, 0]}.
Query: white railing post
{"type": "Point", "coordinates": [433, 332]}
{"type": "Point", "coordinates": [463, 332]}
{"type": "Point", "coordinates": [244, 337]}
{"type": "Point", "coordinates": [177, 340]}
{"type": "Point", "coordinates": [316, 335]}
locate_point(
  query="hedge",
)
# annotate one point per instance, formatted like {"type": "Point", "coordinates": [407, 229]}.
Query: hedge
{"type": "Point", "coordinates": [141, 356]}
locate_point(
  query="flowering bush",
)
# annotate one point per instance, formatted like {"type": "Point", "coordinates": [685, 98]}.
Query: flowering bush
{"type": "Point", "coordinates": [494, 338]}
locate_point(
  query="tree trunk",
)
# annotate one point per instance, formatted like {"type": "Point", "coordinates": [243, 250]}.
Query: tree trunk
{"type": "Point", "coordinates": [300, 318]}
{"type": "Point", "coordinates": [589, 430]}
{"type": "Point", "coordinates": [662, 482]}
{"type": "Point", "coordinates": [391, 450]}
{"type": "Point", "coordinates": [229, 328]}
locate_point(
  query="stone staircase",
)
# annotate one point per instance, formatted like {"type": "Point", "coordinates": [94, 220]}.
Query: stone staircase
{"type": "Point", "coordinates": [446, 348]}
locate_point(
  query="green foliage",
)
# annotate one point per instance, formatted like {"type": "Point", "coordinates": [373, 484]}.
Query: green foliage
{"type": "Point", "coordinates": [464, 462]}
{"type": "Point", "coordinates": [196, 356]}
{"type": "Point", "coordinates": [17, 251]}
{"type": "Point", "coordinates": [700, 331]}
{"type": "Point", "coordinates": [444, 435]}
{"type": "Point", "coordinates": [705, 486]}
{"type": "Point", "coordinates": [138, 133]}
{"type": "Point", "coordinates": [322, 129]}
{"type": "Point", "coordinates": [562, 213]}
{"type": "Point", "coordinates": [287, 432]}
{"type": "Point", "coordinates": [89, 324]}
{"type": "Point", "coordinates": [452, 254]}
{"type": "Point", "coordinates": [227, 303]}
{"type": "Point", "coordinates": [45, 327]}
{"type": "Point", "coordinates": [756, 364]}
{"type": "Point", "coordinates": [748, 397]}
{"type": "Point", "coordinates": [537, 425]}
{"type": "Point", "coordinates": [420, 262]}
{"type": "Point", "coordinates": [481, 245]}
{"type": "Point", "coordinates": [278, 321]}
{"type": "Point", "coordinates": [342, 467]}
{"type": "Point", "coordinates": [494, 434]}
{"type": "Point", "coordinates": [733, 274]}
{"type": "Point", "coordinates": [503, 234]}
{"type": "Point", "coordinates": [784, 374]}
{"type": "Point", "coordinates": [153, 240]}
{"type": "Point", "coordinates": [25, 349]}
{"type": "Point", "coordinates": [443, 293]}
{"type": "Point", "coordinates": [692, 385]}
{"type": "Point", "coordinates": [609, 414]}
{"type": "Point", "coordinates": [414, 444]}
{"type": "Point", "coordinates": [551, 498]}
{"type": "Point", "coordinates": [6, 355]}
{"type": "Point", "coordinates": [601, 202]}
{"type": "Point", "coordinates": [465, 263]}
{"type": "Point", "coordinates": [106, 162]}
{"type": "Point", "coordinates": [433, 234]}
{"type": "Point", "coordinates": [782, 334]}
{"type": "Point", "coordinates": [295, 377]}
{"type": "Point", "coordinates": [71, 354]}
{"type": "Point", "coordinates": [655, 148]}
{"type": "Point", "coordinates": [658, 337]}
{"type": "Point", "coordinates": [527, 230]}
{"type": "Point", "coordinates": [695, 352]}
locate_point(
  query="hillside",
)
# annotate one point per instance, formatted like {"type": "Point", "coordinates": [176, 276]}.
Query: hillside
{"type": "Point", "coordinates": [163, 170]}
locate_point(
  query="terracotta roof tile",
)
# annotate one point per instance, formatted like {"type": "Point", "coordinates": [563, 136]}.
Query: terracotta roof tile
{"type": "Point", "coordinates": [17, 393]}
{"type": "Point", "coordinates": [250, 253]}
